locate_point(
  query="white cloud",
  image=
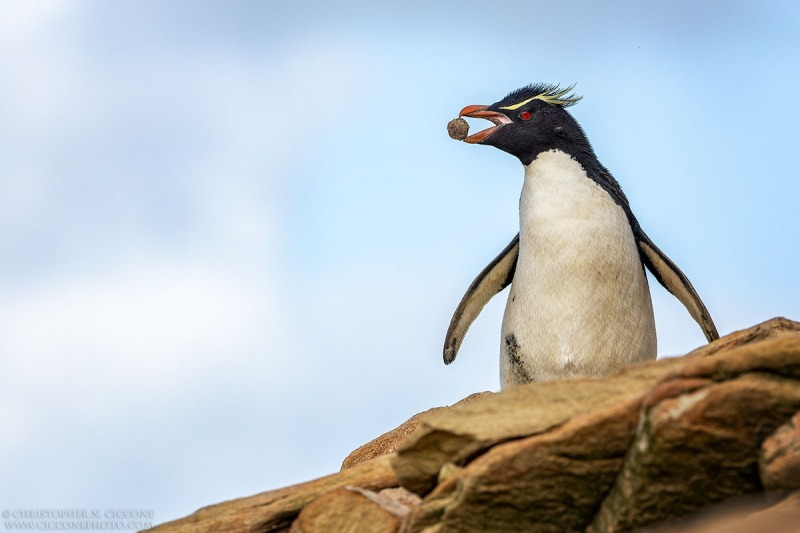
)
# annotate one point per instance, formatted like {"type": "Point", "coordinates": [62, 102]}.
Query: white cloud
{"type": "Point", "coordinates": [89, 344]}
{"type": "Point", "coordinates": [129, 324]}
{"type": "Point", "coordinates": [20, 19]}
{"type": "Point", "coordinates": [38, 70]}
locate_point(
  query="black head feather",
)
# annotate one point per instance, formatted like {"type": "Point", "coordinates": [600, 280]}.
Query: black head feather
{"type": "Point", "coordinates": [549, 126]}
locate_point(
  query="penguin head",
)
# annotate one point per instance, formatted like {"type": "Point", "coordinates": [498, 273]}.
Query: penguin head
{"type": "Point", "coordinates": [529, 121]}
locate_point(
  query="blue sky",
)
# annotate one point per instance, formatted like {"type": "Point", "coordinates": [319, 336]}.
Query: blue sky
{"type": "Point", "coordinates": [232, 234]}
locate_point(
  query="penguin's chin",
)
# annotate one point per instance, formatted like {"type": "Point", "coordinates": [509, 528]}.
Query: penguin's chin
{"type": "Point", "coordinates": [481, 111]}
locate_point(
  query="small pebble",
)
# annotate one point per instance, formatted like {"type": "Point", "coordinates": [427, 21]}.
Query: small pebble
{"type": "Point", "coordinates": [458, 128]}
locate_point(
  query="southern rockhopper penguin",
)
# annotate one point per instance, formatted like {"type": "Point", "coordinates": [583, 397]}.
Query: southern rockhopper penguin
{"type": "Point", "coordinates": [579, 304]}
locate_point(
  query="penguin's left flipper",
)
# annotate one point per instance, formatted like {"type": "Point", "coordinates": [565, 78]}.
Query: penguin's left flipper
{"type": "Point", "coordinates": [494, 278]}
{"type": "Point", "coordinates": [670, 276]}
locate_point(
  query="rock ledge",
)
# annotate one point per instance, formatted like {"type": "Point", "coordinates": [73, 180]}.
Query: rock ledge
{"type": "Point", "coordinates": [662, 441]}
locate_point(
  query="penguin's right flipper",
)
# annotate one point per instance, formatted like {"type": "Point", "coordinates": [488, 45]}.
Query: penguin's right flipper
{"type": "Point", "coordinates": [494, 278]}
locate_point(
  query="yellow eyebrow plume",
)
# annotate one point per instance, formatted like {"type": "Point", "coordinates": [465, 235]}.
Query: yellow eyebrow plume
{"type": "Point", "coordinates": [522, 103]}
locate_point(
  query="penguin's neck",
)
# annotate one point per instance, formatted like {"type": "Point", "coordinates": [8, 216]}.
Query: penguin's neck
{"type": "Point", "coordinates": [559, 198]}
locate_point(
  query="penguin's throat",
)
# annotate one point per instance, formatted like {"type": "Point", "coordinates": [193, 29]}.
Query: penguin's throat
{"type": "Point", "coordinates": [557, 191]}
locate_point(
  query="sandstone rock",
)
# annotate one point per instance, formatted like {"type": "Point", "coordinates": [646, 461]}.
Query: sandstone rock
{"type": "Point", "coordinates": [276, 510]}
{"type": "Point", "coordinates": [771, 329]}
{"type": "Point", "coordinates": [661, 440]}
{"type": "Point", "coordinates": [389, 441]}
{"type": "Point", "coordinates": [458, 434]}
{"type": "Point", "coordinates": [776, 356]}
{"type": "Point", "coordinates": [461, 433]}
{"type": "Point", "coordinates": [780, 457]}
{"type": "Point", "coordinates": [356, 510]}
{"type": "Point", "coordinates": [747, 517]}
{"type": "Point", "coordinates": [697, 444]}
{"type": "Point", "coordinates": [700, 434]}
{"type": "Point", "coordinates": [553, 481]}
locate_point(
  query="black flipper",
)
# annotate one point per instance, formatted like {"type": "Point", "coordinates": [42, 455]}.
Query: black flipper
{"type": "Point", "coordinates": [494, 278]}
{"type": "Point", "coordinates": [676, 282]}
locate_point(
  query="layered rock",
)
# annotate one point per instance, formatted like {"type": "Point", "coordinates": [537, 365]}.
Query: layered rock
{"type": "Point", "coordinates": [780, 458]}
{"type": "Point", "coordinates": [660, 441]}
{"type": "Point", "coordinates": [276, 510]}
{"type": "Point", "coordinates": [355, 510]}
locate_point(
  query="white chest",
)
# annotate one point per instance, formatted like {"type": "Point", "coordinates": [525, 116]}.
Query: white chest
{"type": "Point", "coordinates": [579, 303]}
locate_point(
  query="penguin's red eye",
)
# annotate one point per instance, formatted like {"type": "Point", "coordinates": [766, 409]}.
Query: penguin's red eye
{"type": "Point", "coordinates": [525, 115]}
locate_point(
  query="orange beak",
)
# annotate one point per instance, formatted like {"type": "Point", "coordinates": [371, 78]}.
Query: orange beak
{"type": "Point", "coordinates": [480, 111]}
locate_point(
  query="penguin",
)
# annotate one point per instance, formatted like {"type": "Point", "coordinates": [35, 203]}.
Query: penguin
{"type": "Point", "coordinates": [579, 303]}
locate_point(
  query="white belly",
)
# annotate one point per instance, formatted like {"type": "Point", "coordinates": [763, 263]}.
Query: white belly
{"type": "Point", "coordinates": [579, 303]}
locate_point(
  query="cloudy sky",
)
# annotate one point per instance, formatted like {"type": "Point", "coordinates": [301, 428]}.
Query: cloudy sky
{"type": "Point", "coordinates": [232, 234]}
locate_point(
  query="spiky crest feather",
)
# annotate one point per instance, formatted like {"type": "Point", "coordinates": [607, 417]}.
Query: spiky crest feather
{"type": "Point", "coordinates": [550, 93]}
